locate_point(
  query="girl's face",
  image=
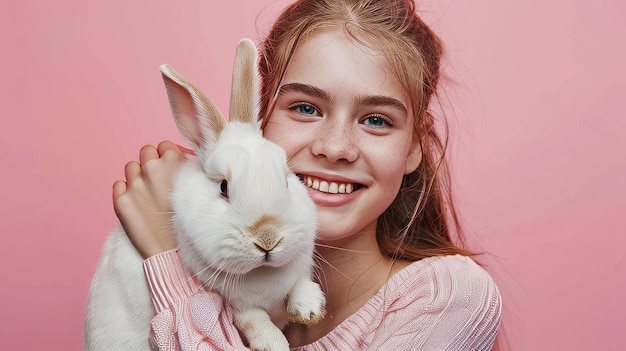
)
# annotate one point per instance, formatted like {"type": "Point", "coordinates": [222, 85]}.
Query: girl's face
{"type": "Point", "coordinates": [346, 124]}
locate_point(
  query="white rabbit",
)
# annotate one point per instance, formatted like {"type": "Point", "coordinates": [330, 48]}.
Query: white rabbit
{"type": "Point", "coordinates": [243, 222]}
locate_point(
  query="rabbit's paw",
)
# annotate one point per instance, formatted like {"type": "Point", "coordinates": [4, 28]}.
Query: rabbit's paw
{"type": "Point", "coordinates": [274, 341]}
{"type": "Point", "coordinates": [306, 303]}
{"type": "Point", "coordinates": [257, 327]}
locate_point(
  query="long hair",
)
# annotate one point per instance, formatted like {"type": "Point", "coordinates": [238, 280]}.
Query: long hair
{"type": "Point", "coordinates": [418, 222]}
{"type": "Point", "coordinates": [422, 219]}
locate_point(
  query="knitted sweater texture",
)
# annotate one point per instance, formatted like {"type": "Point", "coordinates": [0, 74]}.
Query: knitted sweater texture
{"type": "Point", "coordinates": [437, 303]}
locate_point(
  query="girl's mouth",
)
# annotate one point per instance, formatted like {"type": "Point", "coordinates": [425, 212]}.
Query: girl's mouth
{"type": "Point", "coordinates": [329, 187]}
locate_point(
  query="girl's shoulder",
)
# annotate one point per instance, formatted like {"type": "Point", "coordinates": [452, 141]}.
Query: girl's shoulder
{"type": "Point", "coordinates": [439, 282]}
{"type": "Point", "coordinates": [453, 267]}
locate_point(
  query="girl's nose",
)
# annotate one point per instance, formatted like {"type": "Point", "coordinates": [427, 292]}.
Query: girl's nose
{"type": "Point", "coordinates": [336, 142]}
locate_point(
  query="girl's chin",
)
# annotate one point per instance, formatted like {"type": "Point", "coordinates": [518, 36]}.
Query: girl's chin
{"type": "Point", "coordinates": [334, 229]}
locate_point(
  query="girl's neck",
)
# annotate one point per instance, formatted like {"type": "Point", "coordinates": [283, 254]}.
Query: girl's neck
{"type": "Point", "coordinates": [350, 272]}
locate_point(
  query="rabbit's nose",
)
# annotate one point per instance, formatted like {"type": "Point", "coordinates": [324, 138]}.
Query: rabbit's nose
{"type": "Point", "coordinates": [265, 233]}
{"type": "Point", "coordinates": [266, 238]}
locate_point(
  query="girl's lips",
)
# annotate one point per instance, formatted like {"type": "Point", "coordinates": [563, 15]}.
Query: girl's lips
{"type": "Point", "coordinates": [331, 200]}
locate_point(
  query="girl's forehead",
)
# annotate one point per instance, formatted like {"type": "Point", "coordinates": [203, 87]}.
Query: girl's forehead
{"type": "Point", "coordinates": [332, 61]}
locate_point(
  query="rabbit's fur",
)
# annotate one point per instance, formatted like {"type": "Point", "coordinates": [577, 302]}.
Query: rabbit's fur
{"type": "Point", "coordinates": [251, 239]}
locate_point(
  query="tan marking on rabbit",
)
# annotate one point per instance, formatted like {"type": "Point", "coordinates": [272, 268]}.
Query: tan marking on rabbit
{"type": "Point", "coordinates": [244, 97]}
{"type": "Point", "coordinates": [310, 320]}
{"type": "Point", "coordinates": [266, 233]}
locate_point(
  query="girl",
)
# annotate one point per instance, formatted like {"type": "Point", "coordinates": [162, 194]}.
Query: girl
{"type": "Point", "coordinates": [346, 91]}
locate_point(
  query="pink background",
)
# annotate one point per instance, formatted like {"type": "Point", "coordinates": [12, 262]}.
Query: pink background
{"type": "Point", "coordinates": [535, 94]}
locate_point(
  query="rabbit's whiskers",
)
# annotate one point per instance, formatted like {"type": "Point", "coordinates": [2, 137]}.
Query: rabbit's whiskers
{"type": "Point", "coordinates": [318, 272]}
{"type": "Point", "coordinates": [212, 279]}
{"type": "Point", "coordinates": [321, 259]}
{"type": "Point", "coordinates": [342, 248]}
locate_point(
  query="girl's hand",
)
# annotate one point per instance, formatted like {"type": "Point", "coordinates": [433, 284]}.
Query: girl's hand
{"type": "Point", "coordinates": [142, 201]}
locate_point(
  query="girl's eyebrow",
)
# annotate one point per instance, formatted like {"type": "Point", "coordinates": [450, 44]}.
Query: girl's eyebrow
{"type": "Point", "coordinates": [380, 100]}
{"type": "Point", "coordinates": [371, 100]}
{"type": "Point", "coordinates": [304, 89]}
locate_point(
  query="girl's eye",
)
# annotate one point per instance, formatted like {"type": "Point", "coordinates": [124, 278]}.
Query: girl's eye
{"type": "Point", "coordinates": [377, 121]}
{"type": "Point", "coordinates": [305, 109]}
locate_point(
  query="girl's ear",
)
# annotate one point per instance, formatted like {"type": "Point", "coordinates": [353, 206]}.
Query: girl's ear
{"type": "Point", "coordinates": [414, 158]}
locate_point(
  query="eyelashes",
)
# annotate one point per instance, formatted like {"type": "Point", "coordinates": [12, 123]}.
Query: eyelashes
{"type": "Point", "coordinates": [378, 121]}
{"type": "Point", "coordinates": [374, 120]}
{"type": "Point", "coordinates": [304, 108]}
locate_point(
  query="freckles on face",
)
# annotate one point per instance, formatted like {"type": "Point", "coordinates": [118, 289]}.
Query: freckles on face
{"type": "Point", "coordinates": [289, 136]}
{"type": "Point", "coordinates": [342, 83]}
{"type": "Point", "coordinates": [343, 118]}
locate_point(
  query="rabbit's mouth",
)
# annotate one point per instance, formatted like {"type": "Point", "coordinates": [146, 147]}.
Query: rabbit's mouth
{"type": "Point", "coordinates": [326, 186]}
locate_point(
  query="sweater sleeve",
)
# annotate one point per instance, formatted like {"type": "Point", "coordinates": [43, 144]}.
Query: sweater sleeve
{"type": "Point", "coordinates": [450, 304]}
{"type": "Point", "coordinates": [188, 317]}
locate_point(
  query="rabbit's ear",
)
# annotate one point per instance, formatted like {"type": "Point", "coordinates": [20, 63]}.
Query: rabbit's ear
{"type": "Point", "coordinates": [244, 98]}
{"type": "Point", "coordinates": [198, 119]}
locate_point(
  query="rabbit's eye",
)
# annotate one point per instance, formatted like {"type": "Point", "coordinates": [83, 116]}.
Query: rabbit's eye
{"type": "Point", "coordinates": [224, 188]}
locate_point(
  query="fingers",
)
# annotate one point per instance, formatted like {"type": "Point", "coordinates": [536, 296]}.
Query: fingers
{"type": "Point", "coordinates": [169, 149]}
{"type": "Point", "coordinates": [132, 170]}
{"type": "Point", "coordinates": [119, 188]}
{"type": "Point", "coordinates": [147, 153]}
{"type": "Point", "coordinates": [166, 146]}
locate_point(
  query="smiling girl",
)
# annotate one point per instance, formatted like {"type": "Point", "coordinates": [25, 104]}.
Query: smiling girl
{"type": "Point", "coordinates": [346, 91]}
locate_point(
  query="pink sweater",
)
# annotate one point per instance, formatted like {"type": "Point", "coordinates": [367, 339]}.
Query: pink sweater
{"type": "Point", "coordinates": [438, 303]}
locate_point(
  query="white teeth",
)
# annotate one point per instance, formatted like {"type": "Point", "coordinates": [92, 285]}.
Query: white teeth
{"type": "Point", "coordinates": [333, 188]}
{"type": "Point", "coordinates": [342, 189]}
{"type": "Point", "coordinates": [328, 187]}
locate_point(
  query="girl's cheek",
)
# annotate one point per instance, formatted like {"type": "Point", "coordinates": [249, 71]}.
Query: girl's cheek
{"type": "Point", "coordinates": [287, 134]}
